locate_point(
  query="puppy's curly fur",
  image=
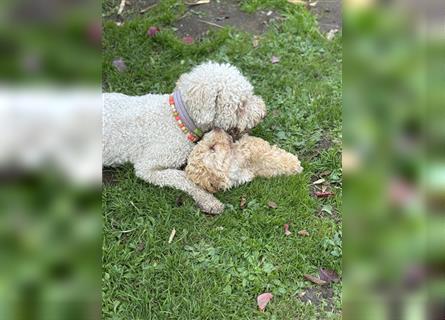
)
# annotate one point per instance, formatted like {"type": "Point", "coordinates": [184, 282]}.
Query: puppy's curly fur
{"type": "Point", "coordinates": [142, 130]}
{"type": "Point", "coordinates": [218, 163]}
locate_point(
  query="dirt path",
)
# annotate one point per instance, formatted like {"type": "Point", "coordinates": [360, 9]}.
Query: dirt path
{"type": "Point", "coordinates": [329, 14]}
{"type": "Point", "coordinates": [198, 19]}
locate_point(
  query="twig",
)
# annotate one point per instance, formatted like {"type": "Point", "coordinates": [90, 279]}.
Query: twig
{"type": "Point", "coordinates": [183, 16]}
{"type": "Point", "coordinates": [197, 2]}
{"type": "Point", "coordinates": [172, 235]}
{"type": "Point", "coordinates": [210, 23]}
{"type": "Point", "coordinates": [148, 8]}
{"type": "Point", "coordinates": [127, 231]}
{"type": "Point", "coordinates": [121, 7]}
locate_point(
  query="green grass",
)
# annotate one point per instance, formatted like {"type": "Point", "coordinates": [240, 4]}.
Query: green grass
{"type": "Point", "coordinates": [216, 266]}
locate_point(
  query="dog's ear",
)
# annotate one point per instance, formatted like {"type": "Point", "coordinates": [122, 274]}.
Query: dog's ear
{"type": "Point", "coordinates": [217, 95]}
{"type": "Point", "coordinates": [250, 113]}
{"type": "Point", "coordinates": [205, 175]}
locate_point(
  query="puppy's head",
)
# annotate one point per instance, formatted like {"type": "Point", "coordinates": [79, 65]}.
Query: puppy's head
{"type": "Point", "coordinates": [208, 163]}
{"type": "Point", "coordinates": [219, 96]}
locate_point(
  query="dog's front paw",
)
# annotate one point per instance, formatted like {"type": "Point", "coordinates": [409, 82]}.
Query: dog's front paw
{"type": "Point", "coordinates": [213, 207]}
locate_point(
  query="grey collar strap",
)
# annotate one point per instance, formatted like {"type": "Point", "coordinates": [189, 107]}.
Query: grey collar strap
{"type": "Point", "coordinates": [183, 114]}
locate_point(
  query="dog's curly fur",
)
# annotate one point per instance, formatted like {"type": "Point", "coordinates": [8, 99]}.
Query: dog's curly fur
{"type": "Point", "coordinates": [218, 163]}
{"type": "Point", "coordinates": [142, 130]}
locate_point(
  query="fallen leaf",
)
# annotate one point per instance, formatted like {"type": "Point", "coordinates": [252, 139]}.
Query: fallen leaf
{"type": "Point", "coordinates": [323, 194]}
{"type": "Point", "coordinates": [319, 181]}
{"type": "Point", "coordinates": [313, 4]}
{"type": "Point", "coordinates": [242, 202]}
{"type": "Point", "coordinates": [272, 205]}
{"type": "Point", "coordinates": [172, 235]}
{"type": "Point", "coordinates": [120, 65]}
{"type": "Point", "coordinates": [152, 31]}
{"type": "Point", "coordinates": [263, 299]}
{"type": "Point", "coordinates": [303, 233]}
{"type": "Point", "coordinates": [331, 34]}
{"type": "Point", "coordinates": [296, 1]}
{"type": "Point", "coordinates": [314, 279]}
{"type": "Point", "coordinates": [286, 230]}
{"type": "Point", "coordinates": [275, 59]}
{"type": "Point", "coordinates": [269, 13]}
{"type": "Point", "coordinates": [328, 275]}
{"type": "Point", "coordinates": [188, 40]}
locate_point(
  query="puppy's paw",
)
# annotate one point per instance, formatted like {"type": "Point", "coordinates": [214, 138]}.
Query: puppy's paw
{"type": "Point", "coordinates": [213, 207]}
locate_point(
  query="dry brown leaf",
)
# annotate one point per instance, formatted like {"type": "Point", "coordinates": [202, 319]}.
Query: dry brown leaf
{"type": "Point", "coordinates": [303, 233]}
{"type": "Point", "coordinates": [272, 205]}
{"type": "Point", "coordinates": [242, 202]}
{"type": "Point", "coordinates": [328, 275]}
{"type": "Point", "coordinates": [172, 235]}
{"type": "Point", "coordinates": [324, 194]}
{"type": "Point", "coordinates": [314, 279]}
{"type": "Point", "coordinates": [296, 1]}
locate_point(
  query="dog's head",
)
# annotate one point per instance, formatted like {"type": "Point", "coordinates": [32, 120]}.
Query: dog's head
{"type": "Point", "coordinates": [209, 162]}
{"type": "Point", "coordinates": [219, 96]}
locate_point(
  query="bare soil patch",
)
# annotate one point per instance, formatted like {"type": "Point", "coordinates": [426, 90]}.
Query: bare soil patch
{"type": "Point", "coordinates": [200, 18]}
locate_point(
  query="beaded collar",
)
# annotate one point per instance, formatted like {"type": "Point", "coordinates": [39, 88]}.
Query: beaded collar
{"type": "Point", "coordinates": [183, 119]}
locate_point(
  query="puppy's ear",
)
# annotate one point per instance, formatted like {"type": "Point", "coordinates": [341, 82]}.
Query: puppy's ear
{"type": "Point", "coordinates": [208, 178]}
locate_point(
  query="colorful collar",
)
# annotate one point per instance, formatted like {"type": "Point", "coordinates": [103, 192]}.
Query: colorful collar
{"type": "Point", "coordinates": [181, 115]}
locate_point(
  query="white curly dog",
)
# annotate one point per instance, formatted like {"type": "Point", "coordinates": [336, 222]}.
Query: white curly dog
{"type": "Point", "coordinates": [156, 132]}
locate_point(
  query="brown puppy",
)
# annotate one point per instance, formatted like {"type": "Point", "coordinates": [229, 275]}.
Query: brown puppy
{"type": "Point", "coordinates": [217, 163]}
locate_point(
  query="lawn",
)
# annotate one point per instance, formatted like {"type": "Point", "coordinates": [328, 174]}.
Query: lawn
{"type": "Point", "coordinates": [216, 266]}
